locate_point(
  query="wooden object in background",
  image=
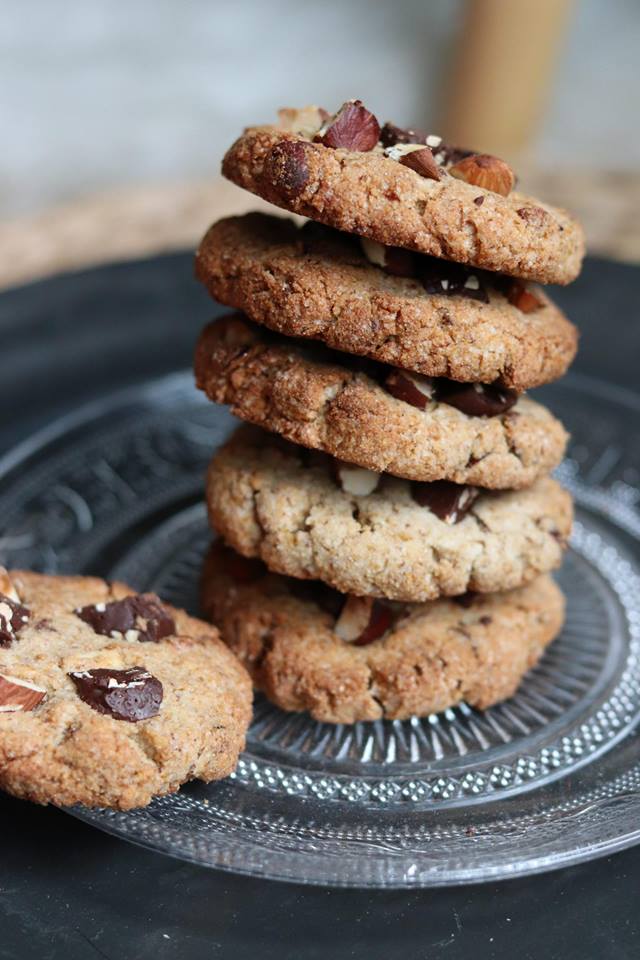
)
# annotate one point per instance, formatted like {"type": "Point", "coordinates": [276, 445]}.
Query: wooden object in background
{"type": "Point", "coordinates": [502, 72]}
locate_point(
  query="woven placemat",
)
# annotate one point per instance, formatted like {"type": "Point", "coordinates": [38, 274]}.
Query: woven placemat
{"type": "Point", "coordinates": [142, 221]}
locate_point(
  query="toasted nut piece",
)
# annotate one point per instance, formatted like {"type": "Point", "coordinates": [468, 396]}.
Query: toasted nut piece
{"type": "Point", "coordinates": [417, 158]}
{"type": "Point", "coordinates": [523, 298]}
{"type": "Point", "coordinates": [363, 620]}
{"type": "Point", "coordinates": [305, 122]}
{"type": "Point", "coordinates": [19, 695]}
{"type": "Point", "coordinates": [352, 128]}
{"type": "Point", "coordinates": [483, 170]}
{"type": "Point", "coordinates": [357, 481]}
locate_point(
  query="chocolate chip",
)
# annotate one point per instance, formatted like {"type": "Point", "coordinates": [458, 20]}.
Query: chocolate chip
{"type": "Point", "coordinates": [485, 620]}
{"type": "Point", "coordinates": [476, 399]}
{"type": "Point", "coordinates": [452, 279]}
{"type": "Point", "coordinates": [391, 134]}
{"type": "Point", "coordinates": [139, 617]}
{"type": "Point", "coordinates": [478, 201]}
{"type": "Point", "coordinates": [244, 569]}
{"type": "Point", "coordinates": [132, 694]}
{"type": "Point", "coordinates": [380, 621]}
{"type": "Point", "coordinates": [13, 616]}
{"type": "Point", "coordinates": [465, 600]}
{"type": "Point", "coordinates": [412, 388]}
{"type": "Point", "coordinates": [286, 168]}
{"type": "Point", "coordinates": [449, 501]}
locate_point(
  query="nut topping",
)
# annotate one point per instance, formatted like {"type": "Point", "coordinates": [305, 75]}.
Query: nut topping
{"type": "Point", "coordinates": [305, 122]}
{"type": "Point", "coordinates": [523, 298]}
{"type": "Point", "coordinates": [363, 620]}
{"type": "Point", "coordinates": [449, 501]}
{"type": "Point", "coordinates": [13, 616]}
{"type": "Point", "coordinates": [413, 388]}
{"type": "Point", "coordinates": [416, 157]}
{"type": "Point", "coordinates": [356, 481]}
{"type": "Point", "coordinates": [286, 168]}
{"type": "Point", "coordinates": [353, 127]}
{"type": "Point", "coordinates": [19, 696]}
{"type": "Point", "coordinates": [132, 694]}
{"type": "Point", "coordinates": [140, 617]}
{"type": "Point", "coordinates": [483, 170]}
{"type": "Point", "coordinates": [395, 260]}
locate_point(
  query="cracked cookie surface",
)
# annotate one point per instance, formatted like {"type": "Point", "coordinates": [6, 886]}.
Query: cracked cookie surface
{"type": "Point", "coordinates": [272, 500]}
{"type": "Point", "coordinates": [73, 742]}
{"type": "Point", "coordinates": [436, 655]}
{"type": "Point", "coordinates": [312, 397]}
{"type": "Point", "coordinates": [319, 284]}
{"type": "Point", "coordinates": [373, 196]}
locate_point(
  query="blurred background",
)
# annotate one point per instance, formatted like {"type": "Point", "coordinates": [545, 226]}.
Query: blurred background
{"type": "Point", "coordinates": [115, 115]}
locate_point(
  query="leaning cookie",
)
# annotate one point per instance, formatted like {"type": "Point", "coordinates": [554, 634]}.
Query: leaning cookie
{"type": "Point", "coordinates": [376, 535]}
{"type": "Point", "coordinates": [420, 313]}
{"type": "Point", "coordinates": [408, 189]}
{"type": "Point", "coordinates": [374, 416]}
{"type": "Point", "coordinates": [109, 698]}
{"type": "Point", "coordinates": [344, 659]}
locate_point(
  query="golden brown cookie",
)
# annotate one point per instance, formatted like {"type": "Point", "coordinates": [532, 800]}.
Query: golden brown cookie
{"type": "Point", "coordinates": [379, 535]}
{"type": "Point", "coordinates": [428, 315]}
{"type": "Point", "coordinates": [425, 658]}
{"type": "Point", "coordinates": [366, 413]}
{"type": "Point", "coordinates": [457, 207]}
{"type": "Point", "coordinates": [109, 698]}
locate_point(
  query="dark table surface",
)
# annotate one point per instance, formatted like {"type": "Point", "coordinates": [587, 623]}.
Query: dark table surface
{"type": "Point", "coordinates": [68, 891]}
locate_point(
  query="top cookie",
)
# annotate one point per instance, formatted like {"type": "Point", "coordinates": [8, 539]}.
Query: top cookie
{"type": "Point", "coordinates": [109, 698]}
{"type": "Point", "coordinates": [415, 312]}
{"type": "Point", "coordinates": [407, 189]}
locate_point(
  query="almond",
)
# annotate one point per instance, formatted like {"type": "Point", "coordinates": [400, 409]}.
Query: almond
{"type": "Point", "coordinates": [483, 170]}
{"type": "Point", "coordinates": [352, 128]}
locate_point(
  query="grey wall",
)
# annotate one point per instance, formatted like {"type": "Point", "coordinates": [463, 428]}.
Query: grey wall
{"type": "Point", "coordinates": [95, 93]}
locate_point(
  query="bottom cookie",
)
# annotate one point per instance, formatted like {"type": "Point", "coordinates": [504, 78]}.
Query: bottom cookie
{"type": "Point", "coordinates": [343, 660]}
{"type": "Point", "coordinates": [109, 698]}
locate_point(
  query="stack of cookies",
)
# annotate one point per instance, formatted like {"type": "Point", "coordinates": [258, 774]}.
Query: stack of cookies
{"type": "Point", "coordinates": [390, 521]}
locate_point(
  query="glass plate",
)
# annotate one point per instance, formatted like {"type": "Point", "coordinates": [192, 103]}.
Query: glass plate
{"type": "Point", "coordinates": [549, 778]}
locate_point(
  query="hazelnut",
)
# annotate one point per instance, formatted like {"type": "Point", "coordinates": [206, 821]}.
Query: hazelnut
{"type": "Point", "coordinates": [483, 170]}
{"type": "Point", "coordinates": [286, 169]}
{"type": "Point", "coordinates": [356, 481]}
{"type": "Point", "coordinates": [353, 127]}
{"type": "Point", "coordinates": [304, 122]}
{"type": "Point", "coordinates": [19, 695]}
{"type": "Point", "coordinates": [415, 156]}
{"type": "Point", "coordinates": [363, 620]}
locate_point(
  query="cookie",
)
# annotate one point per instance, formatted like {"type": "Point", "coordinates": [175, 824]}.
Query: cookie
{"type": "Point", "coordinates": [366, 413]}
{"type": "Point", "coordinates": [378, 535]}
{"type": "Point", "coordinates": [457, 207]}
{"type": "Point", "coordinates": [428, 315]}
{"type": "Point", "coordinates": [109, 698]}
{"type": "Point", "coordinates": [429, 657]}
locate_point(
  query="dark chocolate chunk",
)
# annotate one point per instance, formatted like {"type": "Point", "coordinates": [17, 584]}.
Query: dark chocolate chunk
{"type": "Point", "coordinates": [380, 621]}
{"type": "Point", "coordinates": [413, 388]}
{"type": "Point", "coordinates": [138, 617]}
{"type": "Point", "coordinates": [13, 616]}
{"type": "Point", "coordinates": [449, 501]}
{"type": "Point", "coordinates": [476, 399]}
{"type": "Point", "coordinates": [452, 279]}
{"type": "Point", "coordinates": [132, 694]}
{"type": "Point", "coordinates": [391, 134]}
